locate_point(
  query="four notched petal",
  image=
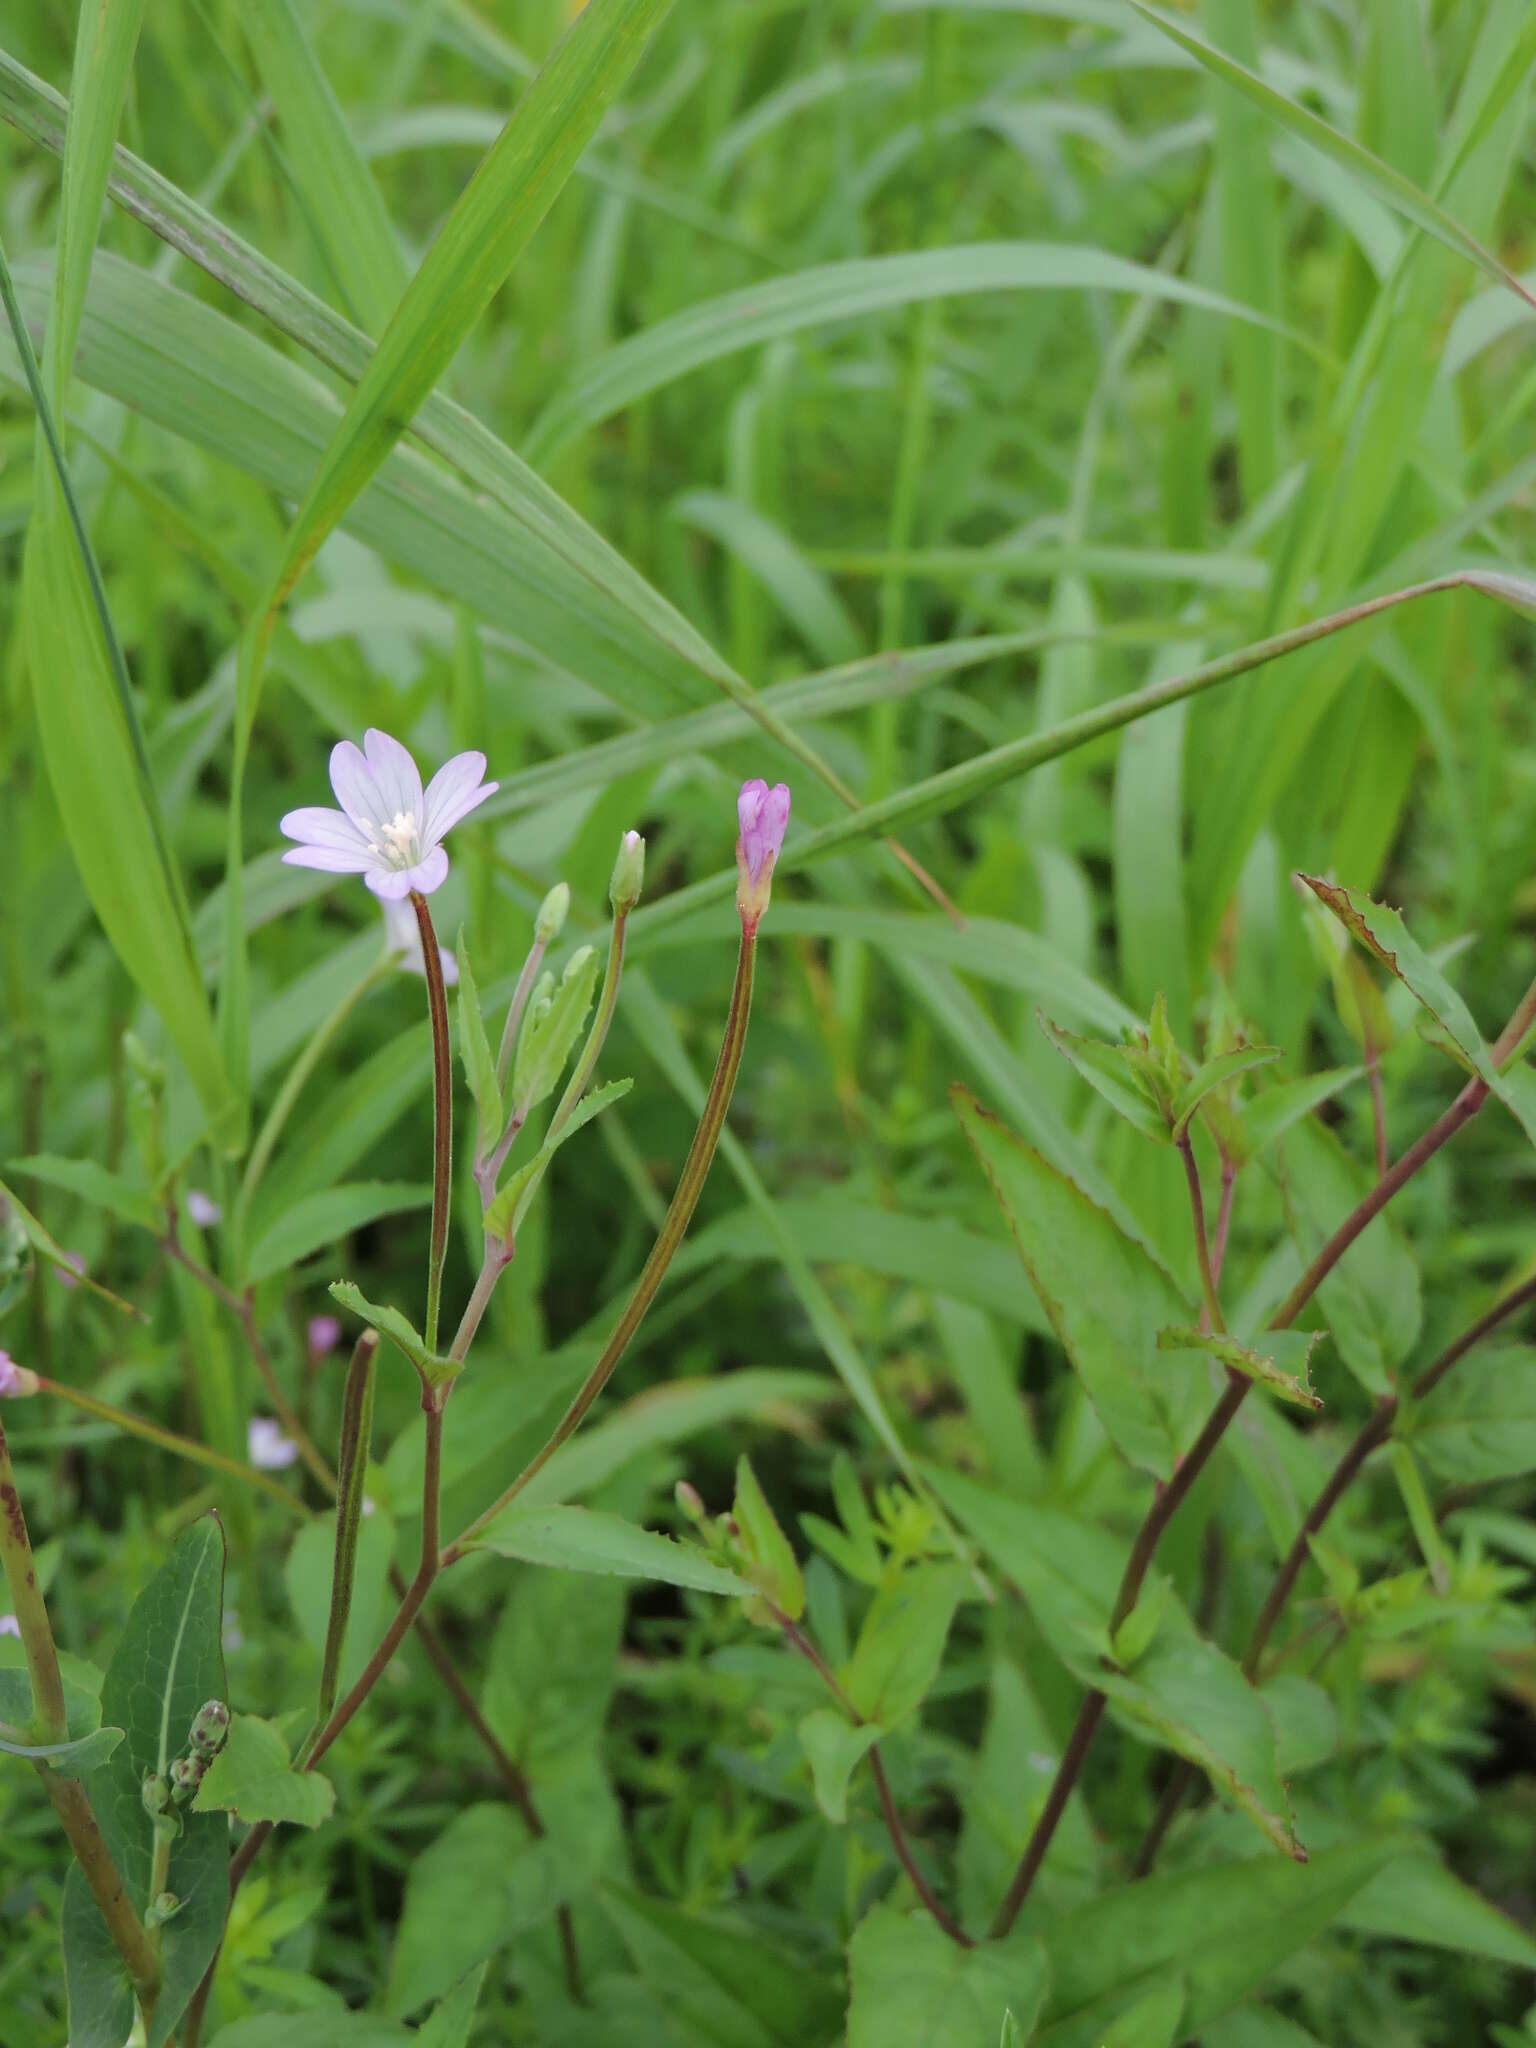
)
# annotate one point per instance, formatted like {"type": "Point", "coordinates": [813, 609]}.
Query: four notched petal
{"type": "Point", "coordinates": [356, 790]}
{"type": "Point", "coordinates": [454, 791]}
{"type": "Point", "coordinates": [395, 775]}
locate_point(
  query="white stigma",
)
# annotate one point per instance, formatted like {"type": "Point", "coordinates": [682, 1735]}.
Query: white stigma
{"type": "Point", "coordinates": [398, 841]}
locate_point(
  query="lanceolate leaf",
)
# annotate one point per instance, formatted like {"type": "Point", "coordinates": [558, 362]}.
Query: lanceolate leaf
{"type": "Point", "coordinates": [1105, 1294]}
{"type": "Point", "coordinates": [1278, 1361]}
{"type": "Point", "coordinates": [1382, 932]}
{"type": "Point", "coordinates": [168, 1664]}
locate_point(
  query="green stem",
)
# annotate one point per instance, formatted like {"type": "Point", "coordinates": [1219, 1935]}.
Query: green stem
{"type": "Point", "coordinates": [168, 1440]}
{"type": "Point", "coordinates": [295, 1080]}
{"type": "Point", "coordinates": [49, 1721]}
{"type": "Point", "coordinates": [351, 1473]}
{"type": "Point", "coordinates": [669, 1237]}
{"type": "Point", "coordinates": [442, 1112]}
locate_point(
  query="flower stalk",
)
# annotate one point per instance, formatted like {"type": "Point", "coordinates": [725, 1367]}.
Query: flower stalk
{"type": "Point", "coordinates": [442, 1113]}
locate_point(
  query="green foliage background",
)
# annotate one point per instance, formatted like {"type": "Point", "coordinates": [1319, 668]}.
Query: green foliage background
{"type": "Point", "coordinates": [888, 384]}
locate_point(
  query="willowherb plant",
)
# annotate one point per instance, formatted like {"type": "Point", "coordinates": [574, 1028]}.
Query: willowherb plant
{"type": "Point", "coordinates": [150, 1829]}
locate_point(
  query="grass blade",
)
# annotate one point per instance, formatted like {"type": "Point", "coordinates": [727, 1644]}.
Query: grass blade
{"type": "Point", "coordinates": [833, 292]}
{"type": "Point", "coordinates": [1389, 185]}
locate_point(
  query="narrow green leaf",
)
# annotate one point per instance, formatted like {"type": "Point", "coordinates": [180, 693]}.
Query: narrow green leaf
{"type": "Point", "coordinates": [1383, 934]}
{"type": "Point", "coordinates": [901, 1644]}
{"type": "Point", "coordinates": [1479, 1424]}
{"type": "Point", "coordinates": [475, 250]}
{"type": "Point", "coordinates": [775, 1570]}
{"type": "Point", "coordinates": [1267, 1367]}
{"type": "Point", "coordinates": [504, 1215]}
{"type": "Point", "coordinates": [1105, 1069]}
{"type": "Point", "coordinates": [1105, 1294]}
{"type": "Point", "coordinates": [399, 1329]}
{"type": "Point", "coordinates": [1217, 1073]}
{"type": "Point", "coordinates": [74, 1759]}
{"type": "Point", "coordinates": [253, 1778]}
{"type": "Point", "coordinates": [327, 1216]}
{"type": "Point", "coordinates": [479, 1061]}
{"type": "Point", "coordinates": [551, 1027]}
{"type": "Point", "coordinates": [847, 291]}
{"type": "Point", "coordinates": [92, 1184]}
{"type": "Point", "coordinates": [342, 201]}
{"type": "Point", "coordinates": [582, 1540]}
{"type": "Point", "coordinates": [834, 1747]}
{"type": "Point", "coordinates": [1389, 184]}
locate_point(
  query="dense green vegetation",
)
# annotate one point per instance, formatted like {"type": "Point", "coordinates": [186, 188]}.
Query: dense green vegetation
{"type": "Point", "coordinates": [1053, 1565]}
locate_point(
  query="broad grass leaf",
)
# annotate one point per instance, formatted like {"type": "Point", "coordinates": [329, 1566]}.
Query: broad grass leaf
{"type": "Point", "coordinates": [325, 1218]}
{"type": "Point", "coordinates": [910, 1982]}
{"type": "Point", "coordinates": [837, 292]}
{"type": "Point", "coordinates": [1105, 1294]}
{"type": "Point", "coordinates": [167, 1664]}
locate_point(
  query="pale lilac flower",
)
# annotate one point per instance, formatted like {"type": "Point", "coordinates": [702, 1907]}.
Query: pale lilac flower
{"type": "Point", "coordinates": [9, 1625]}
{"type": "Point", "coordinates": [763, 813]}
{"type": "Point", "coordinates": [15, 1379]}
{"type": "Point", "coordinates": [75, 1261]}
{"type": "Point", "coordinates": [231, 1635]}
{"type": "Point", "coordinates": [402, 935]}
{"type": "Point", "coordinates": [203, 1209]}
{"type": "Point", "coordinates": [388, 829]}
{"type": "Point", "coordinates": [324, 1335]}
{"type": "Point", "coordinates": [270, 1450]}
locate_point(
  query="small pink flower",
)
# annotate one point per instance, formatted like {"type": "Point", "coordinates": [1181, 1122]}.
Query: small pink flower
{"type": "Point", "coordinates": [15, 1379]}
{"type": "Point", "coordinates": [763, 813]}
{"type": "Point", "coordinates": [388, 829]}
{"type": "Point", "coordinates": [402, 935]}
{"type": "Point", "coordinates": [203, 1209]}
{"type": "Point", "coordinates": [9, 1625]}
{"type": "Point", "coordinates": [269, 1449]}
{"type": "Point", "coordinates": [324, 1335]}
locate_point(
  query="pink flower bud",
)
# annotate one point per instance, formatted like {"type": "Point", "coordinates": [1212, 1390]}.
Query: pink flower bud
{"type": "Point", "coordinates": [15, 1379]}
{"type": "Point", "coordinates": [203, 1209]}
{"type": "Point", "coordinates": [764, 813]}
{"type": "Point", "coordinates": [324, 1335]}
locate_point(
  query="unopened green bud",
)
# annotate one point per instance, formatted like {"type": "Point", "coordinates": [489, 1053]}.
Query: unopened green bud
{"type": "Point", "coordinates": [156, 1794]}
{"type": "Point", "coordinates": [186, 1776]}
{"type": "Point", "coordinates": [210, 1727]}
{"type": "Point", "coordinates": [553, 912]}
{"type": "Point", "coordinates": [628, 874]}
{"type": "Point", "coordinates": [164, 1908]}
{"type": "Point", "coordinates": [690, 1501]}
